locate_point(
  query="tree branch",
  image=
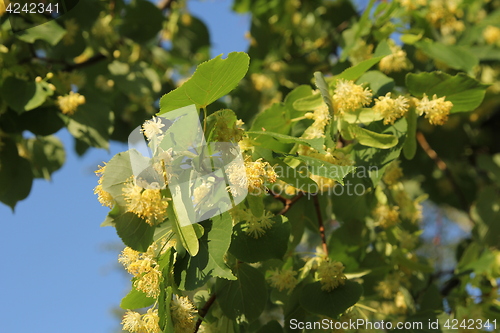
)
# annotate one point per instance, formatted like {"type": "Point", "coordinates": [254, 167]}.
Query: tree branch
{"type": "Point", "coordinates": [289, 202]}
{"type": "Point", "coordinates": [203, 311]}
{"type": "Point", "coordinates": [321, 225]}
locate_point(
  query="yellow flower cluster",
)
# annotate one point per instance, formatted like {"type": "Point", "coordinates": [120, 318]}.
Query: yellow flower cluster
{"type": "Point", "coordinates": [446, 16]}
{"type": "Point", "coordinates": [183, 314]}
{"type": "Point", "coordinates": [134, 322]}
{"type": "Point", "coordinates": [396, 61]}
{"type": "Point", "coordinates": [70, 103]}
{"type": "Point", "coordinates": [331, 274]}
{"type": "Point", "coordinates": [283, 279]}
{"type": "Point", "coordinates": [256, 226]}
{"type": "Point", "coordinates": [144, 268]}
{"type": "Point", "coordinates": [321, 117]}
{"type": "Point", "coordinates": [331, 156]}
{"type": "Point", "coordinates": [201, 191]}
{"type": "Point", "coordinates": [349, 96]}
{"type": "Point", "coordinates": [153, 128]}
{"type": "Point", "coordinates": [102, 196]}
{"type": "Point", "coordinates": [360, 52]}
{"type": "Point", "coordinates": [410, 5]}
{"type": "Point", "coordinates": [261, 81]}
{"type": "Point", "coordinates": [392, 174]}
{"type": "Point", "coordinates": [253, 177]}
{"type": "Point", "coordinates": [391, 109]}
{"type": "Point", "coordinates": [409, 209]}
{"type": "Point", "coordinates": [146, 203]}
{"type": "Point", "coordinates": [436, 110]}
{"type": "Point", "coordinates": [2, 8]}
{"type": "Point", "coordinates": [491, 35]}
{"type": "Point", "coordinates": [386, 216]}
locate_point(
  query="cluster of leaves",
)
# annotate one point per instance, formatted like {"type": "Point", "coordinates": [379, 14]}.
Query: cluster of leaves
{"type": "Point", "coordinates": [222, 261]}
{"type": "Point", "coordinates": [118, 55]}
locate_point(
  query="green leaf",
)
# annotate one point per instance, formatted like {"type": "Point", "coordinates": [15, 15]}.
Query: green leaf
{"type": "Point", "coordinates": [164, 310]}
{"type": "Point", "coordinates": [22, 95]}
{"type": "Point", "coordinates": [308, 103]}
{"type": "Point", "coordinates": [42, 121]}
{"type": "Point", "coordinates": [325, 169]}
{"type": "Point", "coordinates": [134, 231]}
{"type": "Point", "coordinates": [316, 143]}
{"type": "Point", "coordinates": [274, 119]}
{"type": "Point", "coordinates": [294, 95]}
{"type": "Point", "coordinates": [490, 164]}
{"type": "Point", "coordinates": [142, 21]}
{"type": "Point", "coordinates": [192, 39]}
{"type": "Point", "coordinates": [256, 205]}
{"type": "Point", "coordinates": [273, 244]}
{"type": "Point", "coordinates": [371, 162]}
{"type": "Point", "coordinates": [16, 176]}
{"type": "Point", "coordinates": [464, 92]}
{"type": "Point", "coordinates": [362, 116]}
{"type": "Point", "coordinates": [92, 123]}
{"type": "Point", "coordinates": [379, 83]}
{"type": "Point", "coordinates": [410, 145]}
{"type": "Point", "coordinates": [186, 233]}
{"type": "Point", "coordinates": [485, 52]}
{"type": "Point", "coordinates": [486, 213]}
{"type": "Point", "coordinates": [244, 298]}
{"type": "Point", "coordinates": [456, 57]}
{"type": "Point", "coordinates": [165, 262]}
{"type": "Point", "coordinates": [211, 80]}
{"type": "Point", "coordinates": [136, 299]}
{"type": "Point", "coordinates": [47, 155]}
{"type": "Point", "coordinates": [51, 32]}
{"type": "Point", "coordinates": [324, 90]}
{"type": "Point", "coordinates": [194, 272]}
{"type": "Point", "coordinates": [411, 39]}
{"type": "Point", "coordinates": [372, 139]}
{"type": "Point", "coordinates": [118, 171]}
{"type": "Point", "coordinates": [354, 72]}
{"type": "Point", "coordinates": [333, 303]}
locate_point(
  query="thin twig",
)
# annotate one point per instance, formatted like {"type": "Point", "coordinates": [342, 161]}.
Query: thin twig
{"type": "Point", "coordinates": [277, 196]}
{"type": "Point", "coordinates": [290, 202]}
{"type": "Point", "coordinates": [321, 225]}
{"type": "Point", "coordinates": [203, 311]}
{"type": "Point", "coordinates": [422, 141]}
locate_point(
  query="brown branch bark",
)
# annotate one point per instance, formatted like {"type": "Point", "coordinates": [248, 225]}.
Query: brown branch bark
{"type": "Point", "coordinates": [203, 311]}
{"type": "Point", "coordinates": [321, 225]}
{"type": "Point", "coordinates": [290, 202]}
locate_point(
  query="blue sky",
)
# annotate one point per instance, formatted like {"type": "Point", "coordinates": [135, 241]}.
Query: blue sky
{"type": "Point", "coordinates": [58, 275]}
